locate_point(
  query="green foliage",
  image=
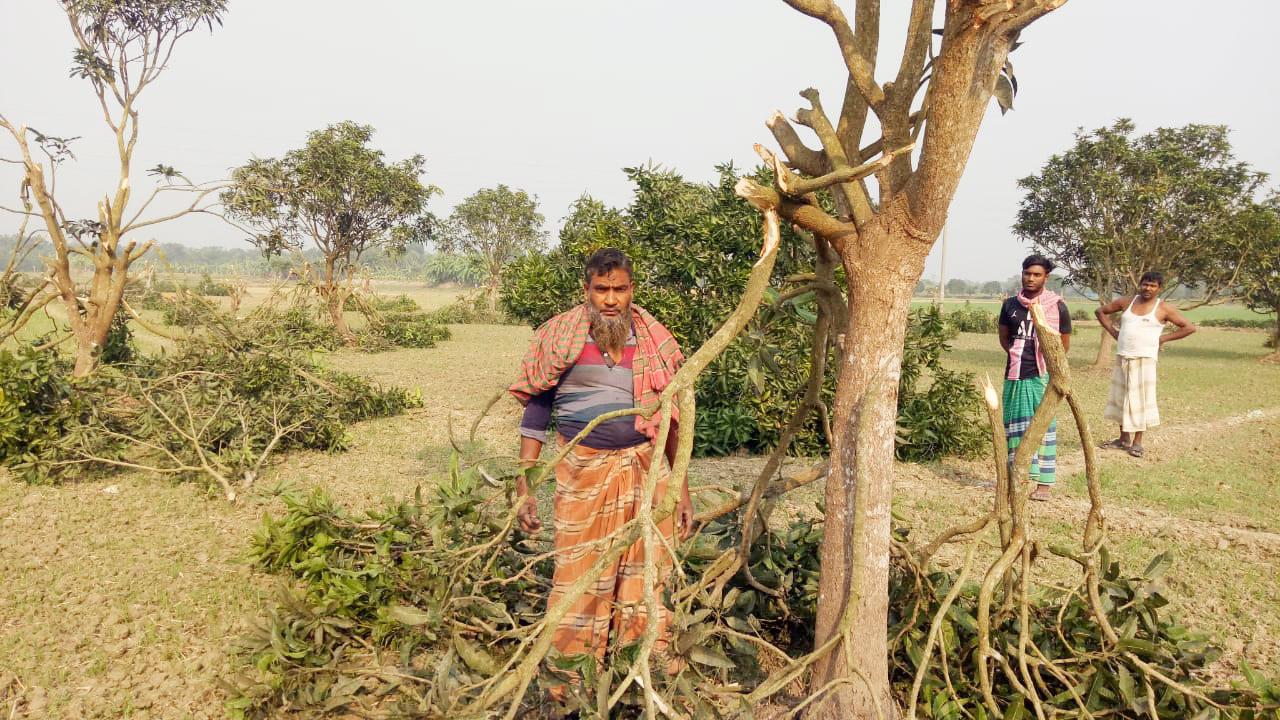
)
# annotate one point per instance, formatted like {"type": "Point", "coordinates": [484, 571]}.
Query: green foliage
{"type": "Point", "coordinates": [220, 405]}
{"type": "Point", "coordinates": [441, 268]}
{"type": "Point", "coordinates": [1260, 277]}
{"type": "Point", "coordinates": [337, 193]}
{"type": "Point", "coordinates": [1081, 314]}
{"type": "Point", "coordinates": [408, 330]}
{"type": "Point", "coordinates": [693, 246]}
{"type": "Point", "coordinates": [395, 579]}
{"type": "Point", "coordinates": [37, 401]}
{"type": "Point", "coordinates": [937, 407]}
{"type": "Point", "coordinates": [404, 608]}
{"type": "Point", "coordinates": [1088, 671]}
{"type": "Point", "coordinates": [397, 322]}
{"type": "Point", "coordinates": [1114, 206]}
{"type": "Point", "coordinates": [1238, 323]}
{"type": "Point", "coordinates": [472, 309]}
{"type": "Point", "coordinates": [298, 325]}
{"type": "Point", "coordinates": [208, 288]}
{"type": "Point", "coordinates": [493, 227]}
{"type": "Point", "coordinates": [971, 319]}
{"type": "Point", "coordinates": [119, 346]}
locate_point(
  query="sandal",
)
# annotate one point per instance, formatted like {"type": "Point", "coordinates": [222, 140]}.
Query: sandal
{"type": "Point", "coordinates": [1041, 493]}
{"type": "Point", "coordinates": [1116, 444]}
{"type": "Point", "coordinates": [1135, 451]}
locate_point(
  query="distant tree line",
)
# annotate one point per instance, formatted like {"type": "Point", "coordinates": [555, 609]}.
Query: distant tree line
{"type": "Point", "coordinates": [415, 263]}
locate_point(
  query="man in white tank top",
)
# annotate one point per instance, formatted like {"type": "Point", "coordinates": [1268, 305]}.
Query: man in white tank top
{"type": "Point", "coordinates": [1132, 401]}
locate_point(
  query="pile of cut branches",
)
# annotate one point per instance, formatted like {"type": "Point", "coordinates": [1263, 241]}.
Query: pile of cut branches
{"type": "Point", "coordinates": [216, 410]}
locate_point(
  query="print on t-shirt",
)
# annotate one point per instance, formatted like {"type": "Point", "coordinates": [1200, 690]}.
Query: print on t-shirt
{"type": "Point", "coordinates": [1015, 316]}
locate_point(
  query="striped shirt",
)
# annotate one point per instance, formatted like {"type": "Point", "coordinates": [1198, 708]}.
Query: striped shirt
{"type": "Point", "coordinates": [587, 390]}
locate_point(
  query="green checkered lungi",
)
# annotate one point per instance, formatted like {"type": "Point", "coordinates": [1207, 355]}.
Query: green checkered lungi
{"type": "Point", "coordinates": [1021, 398]}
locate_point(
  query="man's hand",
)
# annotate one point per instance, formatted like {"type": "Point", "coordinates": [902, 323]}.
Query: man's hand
{"type": "Point", "coordinates": [1113, 331]}
{"type": "Point", "coordinates": [528, 515]}
{"type": "Point", "coordinates": [684, 516]}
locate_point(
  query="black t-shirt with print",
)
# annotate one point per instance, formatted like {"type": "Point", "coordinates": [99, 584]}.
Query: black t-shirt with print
{"type": "Point", "coordinates": [1015, 316]}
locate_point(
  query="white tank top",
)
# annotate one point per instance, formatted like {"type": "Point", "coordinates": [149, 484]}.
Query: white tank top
{"type": "Point", "coordinates": [1139, 334]}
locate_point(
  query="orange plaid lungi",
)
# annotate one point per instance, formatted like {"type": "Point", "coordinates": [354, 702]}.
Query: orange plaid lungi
{"type": "Point", "coordinates": [597, 492]}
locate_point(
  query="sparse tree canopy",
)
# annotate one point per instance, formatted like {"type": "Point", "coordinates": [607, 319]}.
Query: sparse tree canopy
{"type": "Point", "coordinates": [1259, 279]}
{"type": "Point", "coordinates": [339, 194]}
{"type": "Point", "coordinates": [498, 225]}
{"type": "Point", "coordinates": [122, 47]}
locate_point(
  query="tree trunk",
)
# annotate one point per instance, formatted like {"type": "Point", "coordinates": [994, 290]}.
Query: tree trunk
{"type": "Point", "coordinates": [859, 491]}
{"type": "Point", "coordinates": [92, 323]}
{"type": "Point", "coordinates": [1274, 356]}
{"type": "Point", "coordinates": [334, 299]}
{"type": "Point", "coordinates": [1106, 350]}
{"type": "Point", "coordinates": [494, 286]}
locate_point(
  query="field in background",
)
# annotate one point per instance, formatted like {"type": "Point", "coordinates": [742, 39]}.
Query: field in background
{"type": "Point", "coordinates": [1207, 312]}
{"type": "Point", "coordinates": [121, 597]}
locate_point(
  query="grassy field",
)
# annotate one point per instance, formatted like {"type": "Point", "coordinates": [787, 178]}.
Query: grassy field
{"type": "Point", "coordinates": [121, 597]}
{"type": "Point", "coordinates": [1207, 312]}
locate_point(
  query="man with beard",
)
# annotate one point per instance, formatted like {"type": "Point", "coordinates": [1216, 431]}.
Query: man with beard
{"type": "Point", "coordinates": [1140, 337]}
{"type": "Point", "coordinates": [1026, 376]}
{"type": "Point", "coordinates": [604, 355]}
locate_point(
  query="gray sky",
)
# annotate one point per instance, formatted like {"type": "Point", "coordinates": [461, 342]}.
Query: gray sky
{"type": "Point", "coordinates": [554, 97]}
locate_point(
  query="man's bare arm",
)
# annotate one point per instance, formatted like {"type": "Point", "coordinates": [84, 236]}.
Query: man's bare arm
{"type": "Point", "coordinates": [530, 449]}
{"type": "Point", "coordinates": [1173, 315]}
{"type": "Point", "coordinates": [1104, 313]}
{"type": "Point", "coordinates": [1006, 341]}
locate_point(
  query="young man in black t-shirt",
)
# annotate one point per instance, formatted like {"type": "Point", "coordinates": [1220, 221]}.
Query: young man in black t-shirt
{"type": "Point", "coordinates": [1025, 376]}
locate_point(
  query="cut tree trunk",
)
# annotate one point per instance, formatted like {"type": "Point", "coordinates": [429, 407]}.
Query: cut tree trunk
{"type": "Point", "coordinates": [92, 322]}
{"type": "Point", "coordinates": [859, 491]}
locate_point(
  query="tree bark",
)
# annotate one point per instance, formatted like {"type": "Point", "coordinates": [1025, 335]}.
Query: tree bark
{"type": "Point", "coordinates": [1274, 356]}
{"type": "Point", "coordinates": [1106, 350]}
{"type": "Point", "coordinates": [334, 299]}
{"type": "Point", "coordinates": [862, 463]}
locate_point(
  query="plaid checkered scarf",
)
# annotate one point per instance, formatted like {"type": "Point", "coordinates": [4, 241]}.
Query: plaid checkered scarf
{"type": "Point", "coordinates": [558, 343]}
{"type": "Point", "coordinates": [1048, 301]}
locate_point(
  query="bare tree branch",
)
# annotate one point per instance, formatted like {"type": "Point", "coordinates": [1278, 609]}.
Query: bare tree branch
{"type": "Point", "coordinates": [861, 70]}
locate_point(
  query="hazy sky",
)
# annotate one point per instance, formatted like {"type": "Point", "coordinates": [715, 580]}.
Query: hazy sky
{"type": "Point", "coordinates": [554, 97]}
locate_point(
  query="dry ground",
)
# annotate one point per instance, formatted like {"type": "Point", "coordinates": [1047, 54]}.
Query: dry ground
{"type": "Point", "coordinates": [118, 598]}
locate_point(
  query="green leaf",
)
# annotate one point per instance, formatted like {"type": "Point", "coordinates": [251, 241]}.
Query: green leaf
{"type": "Point", "coordinates": [1253, 677]}
{"type": "Point", "coordinates": [408, 615]}
{"type": "Point", "coordinates": [475, 656]}
{"type": "Point", "coordinates": [707, 655]}
{"type": "Point", "coordinates": [1004, 94]}
{"type": "Point", "coordinates": [1159, 564]}
{"type": "Point", "coordinates": [1125, 683]}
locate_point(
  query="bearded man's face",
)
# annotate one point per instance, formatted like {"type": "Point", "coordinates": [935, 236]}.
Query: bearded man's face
{"type": "Point", "coordinates": [609, 304]}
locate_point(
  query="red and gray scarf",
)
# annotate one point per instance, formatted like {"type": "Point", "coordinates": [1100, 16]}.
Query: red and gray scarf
{"type": "Point", "coordinates": [558, 343]}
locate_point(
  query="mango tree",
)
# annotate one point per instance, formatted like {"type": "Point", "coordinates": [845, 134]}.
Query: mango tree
{"type": "Point", "coordinates": [495, 225]}
{"type": "Point", "coordinates": [1115, 206]}
{"type": "Point", "coordinates": [928, 115]}
{"type": "Point", "coordinates": [338, 194]}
